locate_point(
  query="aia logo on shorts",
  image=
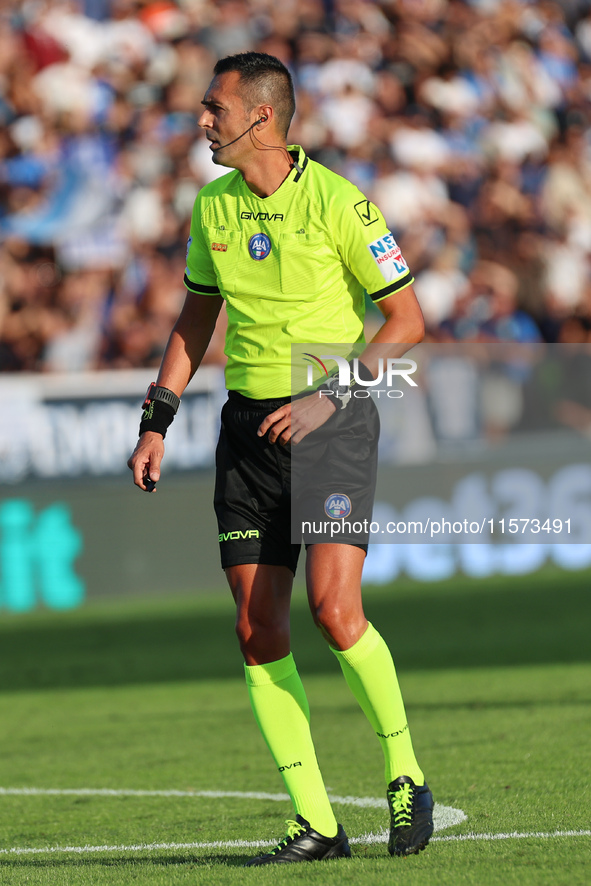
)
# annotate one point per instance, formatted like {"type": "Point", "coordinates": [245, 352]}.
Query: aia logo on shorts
{"type": "Point", "coordinates": [259, 246]}
{"type": "Point", "coordinates": [337, 506]}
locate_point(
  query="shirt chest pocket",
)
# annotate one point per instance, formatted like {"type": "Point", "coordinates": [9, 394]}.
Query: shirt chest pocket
{"type": "Point", "coordinates": [225, 253]}
{"type": "Point", "coordinates": [304, 263]}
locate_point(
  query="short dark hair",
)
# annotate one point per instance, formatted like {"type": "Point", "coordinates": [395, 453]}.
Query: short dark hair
{"type": "Point", "coordinates": [263, 78]}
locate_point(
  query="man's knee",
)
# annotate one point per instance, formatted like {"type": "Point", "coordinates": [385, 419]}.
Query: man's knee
{"type": "Point", "coordinates": [327, 615]}
{"type": "Point", "coordinates": [259, 628]}
{"type": "Point", "coordinates": [262, 594]}
{"type": "Point", "coordinates": [340, 624]}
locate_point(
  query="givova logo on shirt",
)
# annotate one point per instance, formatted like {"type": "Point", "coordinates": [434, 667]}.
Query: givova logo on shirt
{"type": "Point", "coordinates": [388, 257]}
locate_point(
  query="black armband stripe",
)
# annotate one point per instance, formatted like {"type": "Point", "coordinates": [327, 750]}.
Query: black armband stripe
{"type": "Point", "coordinates": [401, 283]}
{"type": "Point", "coordinates": [200, 287]}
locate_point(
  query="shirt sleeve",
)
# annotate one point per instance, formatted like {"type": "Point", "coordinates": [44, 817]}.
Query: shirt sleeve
{"type": "Point", "coordinates": [200, 273]}
{"type": "Point", "coordinates": [368, 248]}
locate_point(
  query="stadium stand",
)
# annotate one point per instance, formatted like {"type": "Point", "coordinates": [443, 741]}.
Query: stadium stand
{"type": "Point", "coordinates": [467, 122]}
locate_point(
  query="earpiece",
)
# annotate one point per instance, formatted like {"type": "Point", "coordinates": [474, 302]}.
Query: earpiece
{"type": "Point", "coordinates": [262, 119]}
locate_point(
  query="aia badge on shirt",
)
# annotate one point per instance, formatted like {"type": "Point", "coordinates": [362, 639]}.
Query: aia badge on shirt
{"type": "Point", "coordinates": [259, 246]}
{"type": "Point", "coordinates": [387, 256]}
{"type": "Point", "coordinates": [338, 505]}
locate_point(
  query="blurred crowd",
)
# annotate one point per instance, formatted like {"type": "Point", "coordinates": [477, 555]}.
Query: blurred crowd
{"type": "Point", "coordinates": [467, 121]}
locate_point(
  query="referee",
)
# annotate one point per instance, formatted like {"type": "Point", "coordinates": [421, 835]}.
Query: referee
{"type": "Point", "coordinates": [291, 248]}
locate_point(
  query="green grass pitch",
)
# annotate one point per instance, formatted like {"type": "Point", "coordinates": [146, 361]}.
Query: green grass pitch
{"type": "Point", "coordinates": [148, 696]}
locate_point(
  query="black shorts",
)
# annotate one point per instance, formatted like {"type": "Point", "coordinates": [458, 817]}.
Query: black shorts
{"type": "Point", "coordinates": [263, 495]}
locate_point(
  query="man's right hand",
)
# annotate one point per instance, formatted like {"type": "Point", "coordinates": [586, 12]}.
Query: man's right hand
{"type": "Point", "coordinates": [145, 460]}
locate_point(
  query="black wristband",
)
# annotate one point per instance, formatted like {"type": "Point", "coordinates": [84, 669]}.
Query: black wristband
{"type": "Point", "coordinates": [157, 416]}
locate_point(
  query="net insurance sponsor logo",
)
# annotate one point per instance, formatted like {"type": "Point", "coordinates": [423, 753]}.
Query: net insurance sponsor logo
{"type": "Point", "coordinates": [259, 246]}
{"type": "Point", "coordinates": [390, 371]}
{"type": "Point", "coordinates": [388, 257]}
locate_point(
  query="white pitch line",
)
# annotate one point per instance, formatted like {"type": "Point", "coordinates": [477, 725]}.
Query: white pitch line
{"type": "Point", "coordinates": [116, 792]}
{"type": "Point", "coordinates": [444, 817]}
{"type": "Point", "coordinates": [138, 847]}
{"type": "Point", "coordinates": [366, 802]}
{"type": "Point", "coordinates": [258, 844]}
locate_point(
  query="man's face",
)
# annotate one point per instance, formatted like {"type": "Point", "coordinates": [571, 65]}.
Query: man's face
{"type": "Point", "coordinates": [224, 119]}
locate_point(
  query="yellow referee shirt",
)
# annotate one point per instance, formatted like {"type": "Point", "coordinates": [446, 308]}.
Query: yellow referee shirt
{"type": "Point", "coordinates": [292, 268]}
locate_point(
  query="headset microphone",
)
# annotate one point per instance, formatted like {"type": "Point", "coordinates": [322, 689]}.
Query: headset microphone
{"type": "Point", "coordinates": [262, 119]}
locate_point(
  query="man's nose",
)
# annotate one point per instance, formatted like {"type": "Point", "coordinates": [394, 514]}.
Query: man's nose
{"type": "Point", "coordinates": [206, 120]}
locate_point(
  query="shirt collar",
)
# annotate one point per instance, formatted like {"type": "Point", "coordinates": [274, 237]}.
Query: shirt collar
{"type": "Point", "coordinates": [300, 160]}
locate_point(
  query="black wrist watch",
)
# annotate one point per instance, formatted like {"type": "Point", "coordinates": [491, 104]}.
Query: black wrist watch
{"type": "Point", "coordinates": [342, 392]}
{"type": "Point", "coordinates": [155, 392]}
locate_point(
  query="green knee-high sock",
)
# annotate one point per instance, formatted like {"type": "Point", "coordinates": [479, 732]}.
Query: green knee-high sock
{"type": "Point", "coordinates": [281, 710]}
{"type": "Point", "coordinates": [369, 671]}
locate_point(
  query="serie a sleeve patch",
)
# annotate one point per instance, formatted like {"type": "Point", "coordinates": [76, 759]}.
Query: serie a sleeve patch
{"type": "Point", "coordinates": [367, 212]}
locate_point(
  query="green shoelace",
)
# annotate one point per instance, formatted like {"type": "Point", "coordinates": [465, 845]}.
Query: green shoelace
{"type": "Point", "coordinates": [401, 805]}
{"type": "Point", "coordinates": [293, 830]}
